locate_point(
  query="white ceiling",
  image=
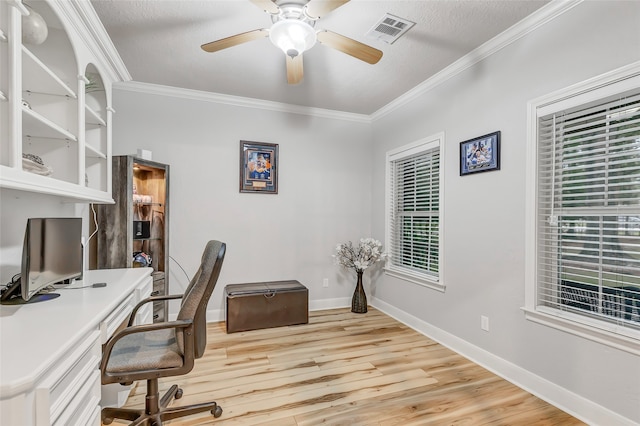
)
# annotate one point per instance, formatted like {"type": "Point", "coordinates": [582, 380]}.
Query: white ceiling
{"type": "Point", "coordinates": [159, 42]}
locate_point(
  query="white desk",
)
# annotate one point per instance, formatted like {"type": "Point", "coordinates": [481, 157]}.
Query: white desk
{"type": "Point", "coordinates": [50, 351]}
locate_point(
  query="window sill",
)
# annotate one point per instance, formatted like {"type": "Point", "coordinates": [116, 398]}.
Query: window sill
{"type": "Point", "coordinates": [607, 334]}
{"type": "Point", "coordinates": [415, 278]}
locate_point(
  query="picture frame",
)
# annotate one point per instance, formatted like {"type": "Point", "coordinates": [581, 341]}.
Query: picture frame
{"type": "Point", "coordinates": [258, 167]}
{"type": "Point", "coordinates": [481, 154]}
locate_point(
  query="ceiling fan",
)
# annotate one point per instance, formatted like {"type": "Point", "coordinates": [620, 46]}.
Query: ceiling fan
{"type": "Point", "coordinates": [293, 32]}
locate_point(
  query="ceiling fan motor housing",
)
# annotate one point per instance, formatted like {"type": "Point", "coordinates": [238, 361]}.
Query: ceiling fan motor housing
{"type": "Point", "coordinates": [292, 30]}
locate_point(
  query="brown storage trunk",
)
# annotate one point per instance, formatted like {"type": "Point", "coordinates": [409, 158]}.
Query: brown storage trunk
{"type": "Point", "coordinates": [253, 306]}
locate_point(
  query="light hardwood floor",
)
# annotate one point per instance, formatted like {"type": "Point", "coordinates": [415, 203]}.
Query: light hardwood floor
{"type": "Point", "coordinates": [348, 369]}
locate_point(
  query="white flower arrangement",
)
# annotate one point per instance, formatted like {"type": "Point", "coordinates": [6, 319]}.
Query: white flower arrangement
{"type": "Point", "coordinates": [368, 252]}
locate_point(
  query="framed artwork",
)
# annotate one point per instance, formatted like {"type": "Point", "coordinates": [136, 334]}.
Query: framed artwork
{"type": "Point", "coordinates": [480, 154]}
{"type": "Point", "coordinates": [258, 167]}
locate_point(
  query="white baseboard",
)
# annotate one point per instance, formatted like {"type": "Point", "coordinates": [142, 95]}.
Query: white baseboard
{"type": "Point", "coordinates": [318, 305]}
{"type": "Point", "coordinates": [576, 405]}
{"type": "Point", "coordinates": [217, 315]}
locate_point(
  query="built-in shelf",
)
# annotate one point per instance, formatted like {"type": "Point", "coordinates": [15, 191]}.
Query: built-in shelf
{"type": "Point", "coordinates": [14, 178]}
{"type": "Point", "coordinates": [43, 79]}
{"type": "Point", "coordinates": [37, 126]}
{"type": "Point", "coordinates": [116, 241]}
{"type": "Point", "coordinates": [92, 152]}
{"type": "Point", "coordinates": [140, 203]}
{"type": "Point", "coordinates": [43, 85]}
{"type": "Point", "coordinates": [92, 117]}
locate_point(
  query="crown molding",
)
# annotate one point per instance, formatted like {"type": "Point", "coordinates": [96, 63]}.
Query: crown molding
{"type": "Point", "coordinates": [532, 22]}
{"type": "Point", "coordinates": [99, 38]}
{"type": "Point", "coordinates": [198, 95]}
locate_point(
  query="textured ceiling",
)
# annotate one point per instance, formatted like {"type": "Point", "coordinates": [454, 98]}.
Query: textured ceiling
{"type": "Point", "coordinates": [159, 42]}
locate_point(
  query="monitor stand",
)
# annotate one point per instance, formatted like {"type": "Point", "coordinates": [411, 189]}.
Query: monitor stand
{"type": "Point", "coordinates": [11, 296]}
{"type": "Point", "coordinates": [34, 299]}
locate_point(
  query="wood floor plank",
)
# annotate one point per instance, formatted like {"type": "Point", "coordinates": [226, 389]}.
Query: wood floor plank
{"type": "Point", "coordinates": [347, 369]}
{"type": "Point", "coordinates": [323, 399]}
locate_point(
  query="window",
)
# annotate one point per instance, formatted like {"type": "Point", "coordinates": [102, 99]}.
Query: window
{"type": "Point", "coordinates": [414, 212]}
{"type": "Point", "coordinates": [586, 223]}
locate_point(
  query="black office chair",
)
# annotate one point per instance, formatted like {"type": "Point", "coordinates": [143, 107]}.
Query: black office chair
{"type": "Point", "coordinates": [150, 351]}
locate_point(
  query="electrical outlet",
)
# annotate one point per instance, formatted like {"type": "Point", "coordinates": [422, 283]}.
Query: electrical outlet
{"type": "Point", "coordinates": [325, 282]}
{"type": "Point", "coordinates": [484, 323]}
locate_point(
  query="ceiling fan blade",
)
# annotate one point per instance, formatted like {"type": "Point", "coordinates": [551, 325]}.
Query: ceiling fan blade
{"type": "Point", "coordinates": [234, 40]}
{"type": "Point", "coordinates": [350, 47]}
{"type": "Point", "coordinates": [267, 5]}
{"type": "Point", "coordinates": [294, 69]}
{"type": "Point", "coordinates": [318, 8]}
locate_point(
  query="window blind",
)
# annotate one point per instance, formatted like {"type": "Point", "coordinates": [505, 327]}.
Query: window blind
{"type": "Point", "coordinates": [415, 218]}
{"type": "Point", "coordinates": [588, 241]}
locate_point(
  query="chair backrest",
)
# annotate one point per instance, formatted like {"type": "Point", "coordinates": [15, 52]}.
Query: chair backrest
{"type": "Point", "coordinates": [196, 296]}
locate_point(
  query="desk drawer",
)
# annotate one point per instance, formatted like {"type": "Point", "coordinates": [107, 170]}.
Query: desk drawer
{"type": "Point", "coordinates": [116, 318]}
{"type": "Point", "coordinates": [145, 314]}
{"type": "Point", "coordinates": [63, 386]}
{"type": "Point", "coordinates": [84, 405]}
{"type": "Point", "coordinates": [144, 290]}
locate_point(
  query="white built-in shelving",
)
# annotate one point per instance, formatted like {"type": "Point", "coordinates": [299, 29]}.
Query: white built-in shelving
{"type": "Point", "coordinates": [55, 102]}
{"type": "Point", "coordinates": [4, 80]}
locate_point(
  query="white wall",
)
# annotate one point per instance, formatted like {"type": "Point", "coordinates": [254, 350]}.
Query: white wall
{"type": "Point", "coordinates": [332, 190]}
{"type": "Point", "coordinates": [15, 208]}
{"type": "Point", "coordinates": [323, 198]}
{"type": "Point", "coordinates": [484, 214]}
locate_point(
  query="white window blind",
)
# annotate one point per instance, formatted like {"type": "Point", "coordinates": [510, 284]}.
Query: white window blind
{"type": "Point", "coordinates": [414, 216]}
{"type": "Point", "coordinates": [588, 217]}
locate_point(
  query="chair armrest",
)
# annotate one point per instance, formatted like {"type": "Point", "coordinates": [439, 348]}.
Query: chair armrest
{"type": "Point", "coordinates": [132, 317]}
{"type": "Point", "coordinates": [108, 347]}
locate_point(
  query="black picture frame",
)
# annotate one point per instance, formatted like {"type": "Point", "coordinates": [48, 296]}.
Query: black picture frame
{"type": "Point", "coordinates": [258, 167]}
{"type": "Point", "coordinates": [481, 154]}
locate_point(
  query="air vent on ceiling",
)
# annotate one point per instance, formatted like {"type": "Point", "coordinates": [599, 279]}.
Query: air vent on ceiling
{"type": "Point", "coordinates": [390, 28]}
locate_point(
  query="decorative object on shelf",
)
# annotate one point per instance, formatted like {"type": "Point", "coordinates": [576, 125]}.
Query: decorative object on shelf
{"type": "Point", "coordinates": [34, 164]}
{"type": "Point", "coordinates": [258, 167]}
{"type": "Point", "coordinates": [141, 198]}
{"type": "Point", "coordinates": [141, 259]}
{"type": "Point", "coordinates": [368, 252]}
{"type": "Point", "coordinates": [141, 229]}
{"type": "Point", "coordinates": [94, 84]}
{"type": "Point", "coordinates": [34, 27]}
{"type": "Point", "coordinates": [480, 154]}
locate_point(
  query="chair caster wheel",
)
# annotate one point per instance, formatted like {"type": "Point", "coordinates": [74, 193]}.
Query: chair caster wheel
{"type": "Point", "coordinates": [107, 421]}
{"type": "Point", "coordinates": [178, 394]}
{"type": "Point", "coordinates": [217, 412]}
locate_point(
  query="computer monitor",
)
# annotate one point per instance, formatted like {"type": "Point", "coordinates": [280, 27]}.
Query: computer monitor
{"type": "Point", "coordinates": [51, 254]}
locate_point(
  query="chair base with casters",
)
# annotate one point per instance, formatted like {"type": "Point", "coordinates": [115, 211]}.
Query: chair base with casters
{"type": "Point", "coordinates": [156, 411]}
{"type": "Point", "coordinates": [164, 349]}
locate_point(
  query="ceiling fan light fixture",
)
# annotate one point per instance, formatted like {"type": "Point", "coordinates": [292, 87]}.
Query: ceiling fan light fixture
{"type": "Point", "coordinates": [292, 36]}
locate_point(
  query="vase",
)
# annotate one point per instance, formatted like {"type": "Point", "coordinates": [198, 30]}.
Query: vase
{"type": "Point", "coordinates": [34, 27]}
{"type": "Point", "coordinates": [359, 300]}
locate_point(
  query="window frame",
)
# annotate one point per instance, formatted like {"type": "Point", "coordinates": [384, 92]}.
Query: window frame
{"type": "Point", "coordinates": [421, 146]}
{"type": "Point", "coordinates": [598, 88]}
